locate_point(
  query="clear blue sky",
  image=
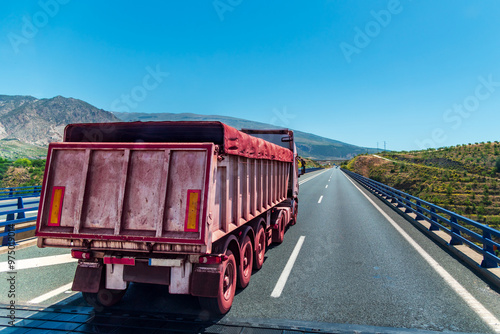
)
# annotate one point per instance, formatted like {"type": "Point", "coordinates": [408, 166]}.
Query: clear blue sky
{"type": "Point", "coordinates": [411, 73]}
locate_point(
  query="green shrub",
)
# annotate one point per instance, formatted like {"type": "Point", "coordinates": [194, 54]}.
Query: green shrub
{"type": "Point", "coordinates": [22, 162]}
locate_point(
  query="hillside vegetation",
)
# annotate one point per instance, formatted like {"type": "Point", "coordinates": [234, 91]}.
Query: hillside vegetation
{"type": "Point", "coordinates": [463, 178]}
{"type": "Point", "coordinates": [22, 172]}
{"type": "Point", "coordinates": [13, 149]}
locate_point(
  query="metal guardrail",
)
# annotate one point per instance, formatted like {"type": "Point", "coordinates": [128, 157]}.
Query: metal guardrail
{"type": "Point", "coordinates": [440, 219]}
{"type": "Point", "coordinates": [14, 192]}
{"type": "Point", "coordinates": [14, 217]}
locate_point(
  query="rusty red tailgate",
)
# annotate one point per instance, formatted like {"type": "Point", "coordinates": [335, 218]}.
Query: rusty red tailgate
{"type": "Point", "coordinates": [126, 192]}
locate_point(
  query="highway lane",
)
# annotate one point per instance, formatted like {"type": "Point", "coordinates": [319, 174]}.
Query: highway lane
{"type": "Point", "coordinates": [37, 279]}
{"type": "Point", "coordinates": [353, 268]}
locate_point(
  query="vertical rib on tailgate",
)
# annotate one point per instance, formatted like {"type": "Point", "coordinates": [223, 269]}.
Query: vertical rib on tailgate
{"type": "Point", "coordinates": [125, 195]}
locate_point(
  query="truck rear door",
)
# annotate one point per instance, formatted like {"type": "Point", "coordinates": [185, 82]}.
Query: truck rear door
{"type": "Point", "coordinates": [124, 195]}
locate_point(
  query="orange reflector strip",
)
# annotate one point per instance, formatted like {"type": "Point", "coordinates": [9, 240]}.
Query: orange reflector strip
{"type": "Point", "coordinates": [56, 206]}
{"type": "Point", "coordinates": [192, 211]}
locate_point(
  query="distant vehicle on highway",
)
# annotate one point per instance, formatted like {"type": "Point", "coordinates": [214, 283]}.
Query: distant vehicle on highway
{"type": "Point", "coordinates": [191, 205]}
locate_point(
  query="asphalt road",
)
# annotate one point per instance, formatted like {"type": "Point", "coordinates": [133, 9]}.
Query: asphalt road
{"type": "Point", "coordinates": [353, 267]}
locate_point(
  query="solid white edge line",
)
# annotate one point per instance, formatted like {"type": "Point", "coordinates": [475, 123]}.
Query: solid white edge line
{"type": "Point", "coordinates": [38, 262]}
{"type": "Point", "coordinates": [473, 303]}
{"type": "Point", "coordinates": [312, 177]}
{"type": "Point", "coordinates": [50, 294]}
{"type": "Point", "coordinates": [320, 199]}
{"type": "Point", "coordinates": [288, 268]}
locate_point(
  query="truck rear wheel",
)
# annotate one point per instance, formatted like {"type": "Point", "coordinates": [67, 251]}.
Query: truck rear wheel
{"type": "Point", "coordinates": [279, 233]}
{"type": "Point", "coordinates": [246, 263]}
{"type": "Point", "coordinates": [294, 217]}
{"type": "Point", "coordinates": [260, 248]}
{"type": "Point", "coordinates": [103, 298]}
{"type": "Point", "coordinates": [227, 288]}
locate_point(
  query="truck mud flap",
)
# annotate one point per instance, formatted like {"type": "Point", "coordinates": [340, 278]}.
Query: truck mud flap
{"type": "Point", "coordinates": [88, 279]}
{"type": "Point", "coordinates": [205, 280]}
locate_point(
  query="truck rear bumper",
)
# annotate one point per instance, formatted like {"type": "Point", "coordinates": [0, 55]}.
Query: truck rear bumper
{"type": "Point", "coordinates": [185, 278]}
{"type": "Point", "coordinates": [110, 245]}
{"type": "Point", "coordinates": [92, 275]}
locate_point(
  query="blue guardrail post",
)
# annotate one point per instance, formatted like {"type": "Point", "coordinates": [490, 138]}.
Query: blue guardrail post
{"type": "Point", "coordinates": [434, 220]}
{"type": "Point", "coordinates": [488, 263]}
{"type": "Point", "coordinates": [20, 205]}
{"type": "Point", "coordinates": [419, 211]}
{"type": "Point", "coordinates": [8, 228]}
{"type": "Point", "coordinates": [11, 216]}
{"type": "Point", "coordinates": [454, 231]}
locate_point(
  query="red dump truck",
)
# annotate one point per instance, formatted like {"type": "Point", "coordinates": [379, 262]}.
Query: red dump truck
{"type": "Point", "coordinates": [191, 205]}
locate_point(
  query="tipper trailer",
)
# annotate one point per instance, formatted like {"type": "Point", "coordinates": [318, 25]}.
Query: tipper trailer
{"type": "Point", "coordinates": [191, 205]}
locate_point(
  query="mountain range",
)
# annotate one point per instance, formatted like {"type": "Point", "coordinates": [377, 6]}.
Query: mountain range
{"type": "Point", "coordinates": [308, 145]}
{"type": "Point", "coordinates": [41, 121]}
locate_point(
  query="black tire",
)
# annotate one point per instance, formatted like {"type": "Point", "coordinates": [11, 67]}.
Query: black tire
{"type": "Point", "coordinates": [227, 288]}
{"type": "Point", "coordinates": [103, 298]}
{"type": "Point", "coordinates": [294, 217]}
{"type": "Point", "coordinates": [260, 248]}
{"type": "Point", "coordinates": [279, 234]}
{"type": "Point", "coordinates": [91, 299]}
{"type": "Point", "coordinates": [246, 263]}
{"type": "Point", "coordinates": [108, 297]}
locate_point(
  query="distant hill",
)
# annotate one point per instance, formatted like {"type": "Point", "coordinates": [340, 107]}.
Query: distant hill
{"type": "Point", "coordinates": [463, 179]}
{"type": "Point", "coordinates": [40, 121]}
{"type": "Point", "coordinates": [308, 145]}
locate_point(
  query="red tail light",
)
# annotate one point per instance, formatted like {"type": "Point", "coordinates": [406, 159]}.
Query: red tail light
{"type": "Point", "coordinates": [212, 259]}
{"type": "Point", "coordinates": [80, 255]}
